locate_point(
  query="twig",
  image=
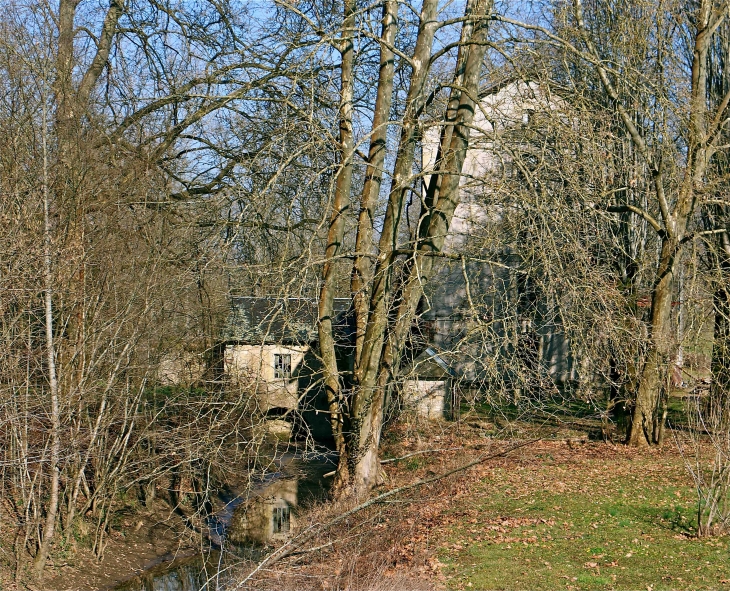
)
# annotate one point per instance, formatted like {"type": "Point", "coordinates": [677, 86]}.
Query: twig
{"type": "Point", "coordinates": [308, 550]}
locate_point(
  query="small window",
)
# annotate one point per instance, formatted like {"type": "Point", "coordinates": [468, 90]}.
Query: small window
{"type": "Point", "coordinates": [282, 520]}
{"type": "Point", "coordinates": [282, 365]}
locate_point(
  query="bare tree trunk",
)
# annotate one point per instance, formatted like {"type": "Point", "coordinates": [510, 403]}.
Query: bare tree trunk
{"type": "Point", "coordinates": [646, 424]}
{"type": "Point", "coordinates": [72, 104]}
{"type": "Point", "coordinates": [366, 405]}
{"type": "Point", "coordinates": [648, 417]}
{"type": "Point", "coordinates": [443, 193]}
{"type": "Point", "coordinates": [55, 447]}
{"type": "Point", "coordinates": [362, 270]}
{"type": "Point", "coordinates": [364, 247]}
{"type": "Point", "coordinates": [335, 237]}
{"type": "Point", "coordinates": [720, 365]}
{"type": "Point", "coordinates": [721, 344]}
{"type": "Point", "coordinates": [382, 348]}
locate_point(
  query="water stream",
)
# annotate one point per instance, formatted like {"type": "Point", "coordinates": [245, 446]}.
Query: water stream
{"type": "Point", "coordinates": [246, 521]}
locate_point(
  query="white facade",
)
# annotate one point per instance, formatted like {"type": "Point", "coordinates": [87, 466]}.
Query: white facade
{"type": "Point", "coordinates": [477, 218]}
{"type": "Point", "coordinates": [254, 366]}
{"type": "Point", "coordinates": [510, 106]}
{"type": "Point", "coordinates": [427, 398]}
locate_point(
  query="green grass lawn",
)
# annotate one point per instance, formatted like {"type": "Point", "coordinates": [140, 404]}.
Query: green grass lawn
{"type": "Point", "coordinates": [600, 517]}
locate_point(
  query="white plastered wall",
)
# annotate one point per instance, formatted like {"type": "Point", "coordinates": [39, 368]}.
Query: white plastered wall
{"type": "Point", "coordinates": [507, 107]}
{"type": "Point", "coordinates": [427, 398]}
{"type": "Point", "coordinates": [253, 366]}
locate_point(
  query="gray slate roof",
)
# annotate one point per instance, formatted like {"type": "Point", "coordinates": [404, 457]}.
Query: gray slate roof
{"type": "Point", "coordinates": [272, 320]}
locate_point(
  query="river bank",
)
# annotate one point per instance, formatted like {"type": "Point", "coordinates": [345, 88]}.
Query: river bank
{"type": "Point", "coordinates": [140, 541]}
{"type": "Point", "coordinates": [146, 543]}
{"type": "Point", "coordinates": [561, 512]}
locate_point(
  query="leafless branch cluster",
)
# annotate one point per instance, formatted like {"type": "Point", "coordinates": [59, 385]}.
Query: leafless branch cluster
{"type": "Point", "coordinates": [528, 210]}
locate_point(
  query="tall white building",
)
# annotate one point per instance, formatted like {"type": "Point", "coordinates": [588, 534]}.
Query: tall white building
{"type": "Point", "coordinates": [482, 309]}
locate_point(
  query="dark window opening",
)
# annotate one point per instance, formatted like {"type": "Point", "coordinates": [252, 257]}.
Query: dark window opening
{"type": "Point", "coordinates": [282, 520]}
{"type": "Point", "coordinates": [282, 365]}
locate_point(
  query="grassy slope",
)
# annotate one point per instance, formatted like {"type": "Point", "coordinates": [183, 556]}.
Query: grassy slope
{"type": "Point", "coordinates": [591, 516]}
{"type": "Point", "coordinates": [551, 515]}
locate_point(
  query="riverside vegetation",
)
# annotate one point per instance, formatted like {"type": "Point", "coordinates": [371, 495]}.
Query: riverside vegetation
{"type": "Point", "coordinates": [523, 205]}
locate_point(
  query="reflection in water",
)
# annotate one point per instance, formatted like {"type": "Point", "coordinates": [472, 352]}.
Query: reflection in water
{"type": "Point", "coordinates": [245, 523]}
{"type": "Point", "coordinates": [267, 515]}
{"type": "Point", "coordinates": [194, 574]}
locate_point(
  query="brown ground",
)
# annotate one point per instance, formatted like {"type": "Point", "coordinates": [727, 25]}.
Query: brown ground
{"type": "Point", "coordinates": [137, 545]}
{"type": "Point", "coordinates": [395, 545]}
{"type": "Point", "coordinates": [388, 546]}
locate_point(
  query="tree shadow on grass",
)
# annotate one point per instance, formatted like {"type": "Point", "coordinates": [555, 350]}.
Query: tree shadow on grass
{"type": "Point", "coordinates": [676, 519]}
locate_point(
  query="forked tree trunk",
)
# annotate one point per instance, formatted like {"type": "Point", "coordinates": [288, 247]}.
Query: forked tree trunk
{"type": "Point", "coordinates": [362, 269]}
{"type": "Point", "coordinates": [366, 403]}
{"type": "Point", "coordinates": [384, 335]}
{"type": "Point", "coordinates": [650, 409]}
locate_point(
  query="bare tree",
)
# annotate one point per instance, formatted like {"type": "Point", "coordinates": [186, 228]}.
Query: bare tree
{"type": "Point", "coordinates": [386, 300]}
{"type": "Point", "coordinates": [649, 97]}
{"type": "Point", "coordinates": [678, 191]}
{"type": "Point", "coordinates": [128, 271]}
